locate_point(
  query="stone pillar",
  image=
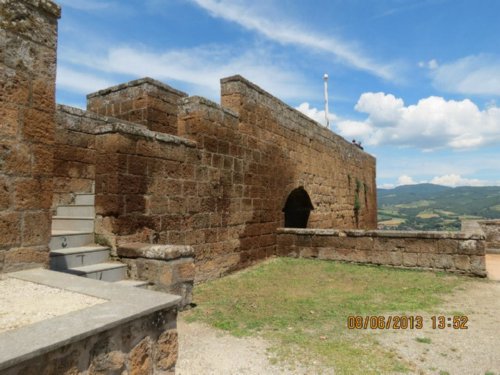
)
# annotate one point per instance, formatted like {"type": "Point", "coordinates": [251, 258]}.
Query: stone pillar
{"type": "Point", "coordinates": [28, 39]}
{"type": "Point", "coordinates": [144, 101]}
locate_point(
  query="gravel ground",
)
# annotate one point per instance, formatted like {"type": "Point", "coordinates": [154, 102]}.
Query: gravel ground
{"type": "Point", "coordinates": [457, 352]}
{"type": "Point", "coordinates": [23, 303]}
{"type": "Point", "coordinates": [208, 351]}
{"type": "Point", "coordinates": [205, 350]}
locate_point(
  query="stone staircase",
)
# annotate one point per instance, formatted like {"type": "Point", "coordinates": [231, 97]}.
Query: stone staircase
{"type": "Point", "coordinates": [72, 247]}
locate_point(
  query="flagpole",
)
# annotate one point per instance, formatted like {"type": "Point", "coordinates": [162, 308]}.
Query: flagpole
{"type": "Point", "coordinates": [325, 79]}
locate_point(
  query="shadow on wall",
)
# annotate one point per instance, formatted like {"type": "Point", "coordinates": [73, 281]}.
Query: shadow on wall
{"type": "Point", "coordinates": [297, 208]}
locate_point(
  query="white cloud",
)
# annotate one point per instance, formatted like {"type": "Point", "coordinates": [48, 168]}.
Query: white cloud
{"type": "Point", "coordinates": [430, 124]}
{"type": "Point", "coordinates": [315, 114]}
{"type": "Point", "coordinates": [457, 180]}
{"type": "Point", "coordinates": [405, 180]}
{"type": "Point", "coordinates": [471, 75]}
{"type": "Point", "coordinates": [354, 129]}
{"type": "Point", "coordinates": [431, 64]}
{"type": "Point", "coordinates": [452, 180]}
{"type": "Point", "coordinates": [384, 109]}
{"type": "Point", "coordinates": [79, 82]}
{"type": "Point", "coordinates": [200, 67]}
{"type": "Point", "coordinates": [247, 15]}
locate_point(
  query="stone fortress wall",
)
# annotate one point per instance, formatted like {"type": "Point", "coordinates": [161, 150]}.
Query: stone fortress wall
{"type": "Point", "coordinates": [166, 168]}
{"type": "Point", "coordinates": [174, 176]}
{"type": "Point", "coordinates": [217, 181]}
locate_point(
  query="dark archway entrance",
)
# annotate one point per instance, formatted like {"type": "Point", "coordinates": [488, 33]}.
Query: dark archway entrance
{"type": "Point", "coordinates": [297, 208]}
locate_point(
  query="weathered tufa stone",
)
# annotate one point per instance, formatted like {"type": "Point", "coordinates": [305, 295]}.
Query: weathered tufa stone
{"type": "Point", "coordinates": [140, 358]}
{"type": "Point", "coordinates": [165, 354]}
{"type": "Point", "coordinates": [108, 364]}
{"type": "Point", "coordinates": [149, 251]}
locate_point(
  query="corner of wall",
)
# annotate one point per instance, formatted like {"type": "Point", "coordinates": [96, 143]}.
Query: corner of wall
{"type": "Point", "coordinates": [27, 108]}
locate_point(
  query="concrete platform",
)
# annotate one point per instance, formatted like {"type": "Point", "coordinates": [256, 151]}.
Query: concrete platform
{"type": "Point", "coordinates": [124, 304]}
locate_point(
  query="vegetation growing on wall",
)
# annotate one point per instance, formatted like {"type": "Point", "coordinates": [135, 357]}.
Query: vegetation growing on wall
{"type": "Point", "coordinates": [357, 202]}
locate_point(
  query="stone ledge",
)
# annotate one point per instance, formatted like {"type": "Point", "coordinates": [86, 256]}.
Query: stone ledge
{"type": "Point", "coordinates": [489, 222]}
{"type": "Point", "coordinates": [46, 5]}
{"type": "Point", "coordinates": [199, 100]}
{"type": "Point", "coordinates": [472, 227]}
{"type": "Point", "coordinates": [113, 125]}
{"type": "Point", "coordinates": [137, 82]}
{"type": "Point", "coordinates": [125, 304]}
{"type": "Point", "coordinates": [151, 251]}
{"type": "Point", "coordinates": [383, 233]}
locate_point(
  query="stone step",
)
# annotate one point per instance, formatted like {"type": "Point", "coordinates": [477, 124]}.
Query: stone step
{"type": "Point", "coordinates": [492, 251]}
{"type": "Point", "coordinates": [85, 199]}
{"type": "Point", "coordinates": [63, 259]}
{"type": "Point", "coordinates": [82, 224]}
{"type": "Point", "coordinates": [63, 239]}
{"type": "Point", "coordinates": [76, 211]}
{"type": "Point", "coordinates": [109, 271]}
{"type": "Point", "coordinates": [133, 283]}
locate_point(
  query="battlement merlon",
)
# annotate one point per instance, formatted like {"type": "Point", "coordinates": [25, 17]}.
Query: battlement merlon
{"type": "Point", "coordinates": [33, 20]}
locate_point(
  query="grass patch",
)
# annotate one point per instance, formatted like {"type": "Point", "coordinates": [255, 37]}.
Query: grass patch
{"type": "Point", "coordinates": [302, 306]}
{"type": "Point", "coordinates": [423, 340]}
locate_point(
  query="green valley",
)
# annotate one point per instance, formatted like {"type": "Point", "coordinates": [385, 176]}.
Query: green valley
{"type": "Point", "coordinates": [435, 207]}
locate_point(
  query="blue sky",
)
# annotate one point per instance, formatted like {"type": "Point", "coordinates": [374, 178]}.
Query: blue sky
{"type": "Point", "coordinates": [416, 81]}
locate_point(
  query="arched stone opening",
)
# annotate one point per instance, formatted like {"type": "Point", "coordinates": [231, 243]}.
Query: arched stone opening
{"type": "Point", "coordinates": [297, 208]}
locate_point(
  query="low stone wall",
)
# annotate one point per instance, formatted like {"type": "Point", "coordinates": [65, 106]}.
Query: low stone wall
{"type": "Point", "coordinates": [137, 348]}
{"type": "Point", "coordinates": [133, 332]}
{"type": "Point", "coordinates": [491, 229]}
{"type": "Point", "coordinates": [168, 268]}
{"type": "Point", "coordinates": [457, 252]}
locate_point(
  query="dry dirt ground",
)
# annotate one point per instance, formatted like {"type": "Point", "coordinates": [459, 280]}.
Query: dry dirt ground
{"type": "Point", "coordinates": [204, 350]}
{"type": "Point", "coordinates": [468, 352]}
{"type": "Point", "coordinates": [208, 351]}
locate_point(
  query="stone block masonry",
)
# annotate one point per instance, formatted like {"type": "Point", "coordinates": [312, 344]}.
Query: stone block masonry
{"type": "Point", "coordinates": [167, 268]}
{"type": "Point", "coordinates": [143, 101]}
{"type": "Point", "coordinates": [221, 183]}
{"type": "Point", "coordinates": [456, 252]}
{"type": "Point", "coordinates": [28, 38]}
{"type": "Point", "coordinates": [339, 178]}
{"type": "Point", "coordinates": [491, 229]}
{"type": "Point", "coordinates": [165, 168]}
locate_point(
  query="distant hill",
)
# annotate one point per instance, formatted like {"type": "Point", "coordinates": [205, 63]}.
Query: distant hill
{"type": "Point", "coordinates": [436, 207]}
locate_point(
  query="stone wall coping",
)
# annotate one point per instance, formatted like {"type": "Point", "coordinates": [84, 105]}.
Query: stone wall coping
{"type": "Point", "coordinates": [154, 251]}
{"type": "Point", "coordinates": [324, 132]}
{"type": "Point", "coordinates": [472, 227]}
{"type": "Point", "coordinates": [383, 233]}
{"type": "Point", "coordinates": [124, 304]}
{"type": "Point", "coordinates": [46, 5]}
{"type": "Point", "coordinates": [199, 100]}
{"type": "Point", "coordinates": [260, 90]}
{"type": "Point", "coordinates": [113, 125]}
{"type": "Point", "coordinates": [489, 222]}
{"type": "Point", "coordinates": [137, 82]}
